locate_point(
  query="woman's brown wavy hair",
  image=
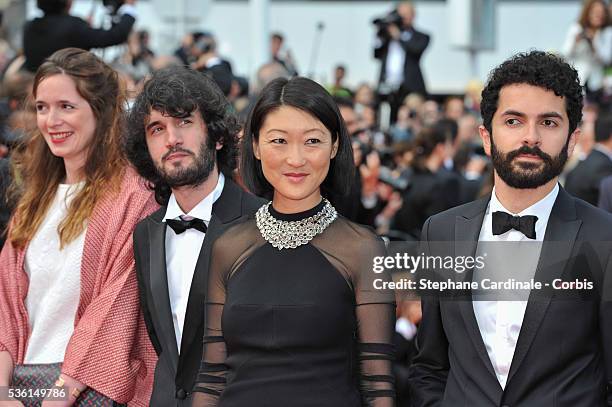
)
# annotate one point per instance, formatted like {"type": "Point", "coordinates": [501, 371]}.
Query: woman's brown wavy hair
{"type": "Point", "coordinates": [37, 172]}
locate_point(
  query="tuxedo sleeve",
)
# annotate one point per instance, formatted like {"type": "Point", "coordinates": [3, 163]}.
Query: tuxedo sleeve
{"type": "Point", "coordinates": [100, 38]}
{"type": "Point", "coordinates": [605, 315]}
{"type": "Point", "coordinates": [416, 45]}
{"type": "Point", "coordinates": [142, 292]}
{"type": "Point", "coordinates": [429, 369]}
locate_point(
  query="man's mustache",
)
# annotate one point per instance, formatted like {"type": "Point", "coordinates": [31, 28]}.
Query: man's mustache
{"type": "Point", "coordinates": [176, 150]}
{"type": "Point", "coordinates": [529, 150]}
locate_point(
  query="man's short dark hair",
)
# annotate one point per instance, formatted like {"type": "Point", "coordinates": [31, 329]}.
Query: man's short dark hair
{"type": "Point", "coordinates": [309, 97]}
{"type": "Point", "coordinates": [536, 68]}
{"type": "Point", "coordinates": [603, 127]}
{"type": "Point", "coordinates": [178, 91]}
{"type": "Point", "coordinates": [344, 102]}
{"type": "Point", "coordinates": [52, 6]}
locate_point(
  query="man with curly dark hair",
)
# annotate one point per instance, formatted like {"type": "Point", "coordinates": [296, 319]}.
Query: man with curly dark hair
{"type": "Point", "coordinates": [548, 344]}
{"type": "Point", "coordinates": [182, 137]}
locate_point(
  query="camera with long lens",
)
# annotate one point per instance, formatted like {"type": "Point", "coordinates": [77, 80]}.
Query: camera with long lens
{"type": "Point", "coordinates": [392, 18]}
{"type": "Point", "coordinates": [113, 5]}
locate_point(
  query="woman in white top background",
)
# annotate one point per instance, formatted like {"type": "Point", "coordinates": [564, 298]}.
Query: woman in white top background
{"type": "Point", "coordinates": [588, 46]}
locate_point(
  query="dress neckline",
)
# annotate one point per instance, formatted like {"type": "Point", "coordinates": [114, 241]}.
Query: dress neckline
{"type": "Point", "coordinates": [298, 215]}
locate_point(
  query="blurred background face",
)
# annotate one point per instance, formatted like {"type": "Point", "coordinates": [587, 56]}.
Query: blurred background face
{"type": "Point", "coordinates": [454, 108]}
{"type": "Point", "coordinates": [350, 119]}
{"type": "Point", "coordinates": [295, 150]}
{"type": "Point", "coordinates": [339, 74]}
{"type": "Point", "coordinates": [364, 95]}
{"type": "Point", "coordinates": [597, 15]}
{"type": "Point", "coordinates": [275, 45]}
{"type": "Point", "coordinates": [406, 12]}
{"type": "Point", "coordinates": [65, 119]}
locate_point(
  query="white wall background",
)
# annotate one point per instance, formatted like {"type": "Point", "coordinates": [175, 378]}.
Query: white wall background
{"type": "Point", "coordinates": [348, 35]}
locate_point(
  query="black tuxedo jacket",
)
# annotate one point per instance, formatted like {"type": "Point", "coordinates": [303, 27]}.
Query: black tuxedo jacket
{"type": "Point", "coordinates": [563, 355]}
{"type": "Point", "coordinates": [175, 373]}
{"type": "Point", "coordinates": [414, 48]}
{"type": "Point", "coordinates": [45, 35]}
{"type": "Point", "coordinates": [584, 180]}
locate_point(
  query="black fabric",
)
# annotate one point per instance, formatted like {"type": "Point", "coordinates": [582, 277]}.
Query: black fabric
{"type": "Point", "coordinates": [301, 327]}
{"type": "Point", "coordinates": [428, 194]}
{"type": "Point", "coordinates": [45, 35]}
{"type": "Point", "coordinates": [5, 208]}
{"type": "Point", "coordinates": [503, 222]}
{"type": "Point", "coordinates": [563, 356]}
{"type": "Point", "coordinates": [181, 225]}
{"type": "Point", "coordinates": [176, 368]}
{"type": "Point", "coordinates": [584, 180]}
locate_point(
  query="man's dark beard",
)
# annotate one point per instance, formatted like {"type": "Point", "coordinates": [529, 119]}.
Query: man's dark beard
{"type": "Point", "coordinates": [529, 176]}
{"type": "Point", "coordinates": [193, 175]}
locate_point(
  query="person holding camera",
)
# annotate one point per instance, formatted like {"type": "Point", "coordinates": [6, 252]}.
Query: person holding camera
{"type": "Point", "coordinates": [400, 46]}
{"type": "Point", "coordinates": [57, 29]}
{"type": "Point", "coordinates": [588, 46]}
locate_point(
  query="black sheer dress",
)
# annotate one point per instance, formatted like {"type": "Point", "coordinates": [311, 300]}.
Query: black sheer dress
{"type": "Point", "coordinates": [297, 327]}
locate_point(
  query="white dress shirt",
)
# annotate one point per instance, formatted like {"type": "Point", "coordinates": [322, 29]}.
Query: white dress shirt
{"type": "Point", "coordinates": [394, 71]}
{"type": "Point", "coordinates": [500, 321]}
{"type": "Point", "coordinates": [590, 65]}
{"type": "Point", "coordinates": [182, 252]}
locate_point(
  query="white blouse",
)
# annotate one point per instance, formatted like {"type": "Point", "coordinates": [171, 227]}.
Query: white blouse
{"type": "Point", "coordinates": [590, 65]}
{"type": "Point", "coordinates": [54, 283]}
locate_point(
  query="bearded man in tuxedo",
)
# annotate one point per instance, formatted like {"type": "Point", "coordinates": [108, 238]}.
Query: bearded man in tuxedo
{"type": "Point", "coordinates": [552, 347]}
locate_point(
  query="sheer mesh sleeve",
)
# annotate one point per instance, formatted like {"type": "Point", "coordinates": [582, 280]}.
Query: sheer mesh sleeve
{"type": "Point", "coordinates": [228, 253]}
{"type": "Point", "coordinates": [375, 308]}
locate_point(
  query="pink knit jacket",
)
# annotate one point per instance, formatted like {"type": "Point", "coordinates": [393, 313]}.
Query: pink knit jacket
{"type": "Point", "coordinates": [109, 350]}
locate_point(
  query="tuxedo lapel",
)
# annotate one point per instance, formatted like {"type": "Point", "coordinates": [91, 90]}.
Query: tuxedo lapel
{"type": "Point", "coordinates": [559, 239]}
{"type": "Point", "coordinates": [159, 287]}
{"type": "Point", "coordinates": [467, 231]}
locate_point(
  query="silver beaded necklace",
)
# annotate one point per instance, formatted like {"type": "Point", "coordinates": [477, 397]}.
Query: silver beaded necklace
{"type": "Point", "coordinates": [291, 234]}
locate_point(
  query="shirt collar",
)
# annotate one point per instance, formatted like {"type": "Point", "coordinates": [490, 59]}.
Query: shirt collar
{"type": "Point", "coordinates": [213, 62]}
{"type": "Point", "coordinates": [203, 210]}
{"type": "Point", "coordinates": [541, 209]}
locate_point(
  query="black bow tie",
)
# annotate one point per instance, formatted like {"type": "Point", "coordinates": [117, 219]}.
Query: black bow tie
{"type": "Point", "coordinates": [181, 225]}
{"type": "Point", "coordinates": [503, 222]}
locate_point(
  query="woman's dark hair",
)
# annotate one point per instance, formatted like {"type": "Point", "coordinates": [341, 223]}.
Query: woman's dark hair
{"type": "Point", "coordinates": [310, 97]}
{"type": "Point", "coordinates": [178, 91]}
{"type": "Point", "coordinates": [535, 68]}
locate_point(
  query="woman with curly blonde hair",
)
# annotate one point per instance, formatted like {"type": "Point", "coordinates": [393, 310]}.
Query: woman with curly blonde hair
{"type": "Point", "coordinates": [69, 312]}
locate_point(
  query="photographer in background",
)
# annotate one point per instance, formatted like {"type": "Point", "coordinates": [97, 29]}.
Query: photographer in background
{"type": "Point", "coordinates": [57, 30]}
{"type": "Point", "coordinates": [399, 46]}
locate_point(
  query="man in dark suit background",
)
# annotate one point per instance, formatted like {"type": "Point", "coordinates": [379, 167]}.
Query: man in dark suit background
{"type": "Point", "coordinates": [57, 30]}
{"type": "Point", "coordinates": [584, 180]}
{"type": "Point", "coordinates": [399, 46]}
{"type": "Point", "coordinates": [182, 139]}
{"type": "Point", "coordinates": [551, 347]}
